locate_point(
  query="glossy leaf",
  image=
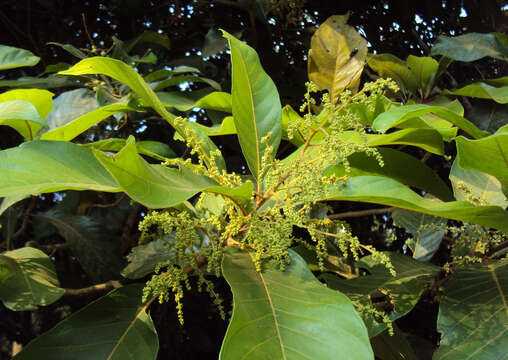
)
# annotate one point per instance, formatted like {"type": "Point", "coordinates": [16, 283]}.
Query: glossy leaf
{"type": "Point", "coordinates": [31, 280]}
{"type": "Point", "coordinates": [11, 57]}
{"type": "Point", "coordinates": [470, 47]}
{"type": "Point", "coordinates": [396, 165]}
{"type": "Point", "coordinates": [114, 327]}
{"type": "Point", "coordinates": [390, 66]}
{"type": "Point", "coordinates": [380, 190]}
{"type": "Point", "coordinates": [489, 116]}
{"type": "Point", "coordinates": [144, 258]}
{"type": "Point", "coordinates": [79, 125]}
{"type": "Point", "coordinates": [288, 314]}
{"type": "Point", "coordinates": [46, 166]}
{"type": "Point", "coordinates": [181, 101]}
{"type": "Point", "coordinates": [427, 232]}
{"type": "Point", "coordinates": [96, 250]}
{"type": "Point", "coordinates": [125, 74]}
{"type": "Point", "coordinates": [22, 116]}
{"type": "Point", "coordinates": [227, 127]}
{"type": "Point", "coordinates": [70, 105]}
{"type": "Point", "coordinates": [40, 99]}
{"type": "Point", "coordinates": [176, 80]}
{"type": "Point", "coordinates": [424, 69]}
{"type": "Point", "coordinates": [482, 187]}
{"type": "Point", "coordinates": [336, 56]}
{"type": "Point", "coordinates": [403, 290]}
{"type": "Point", "coordinates": [397, 115]}
{"type": "Point", "coordinates": [483, 91]}
{"type": "Point", "coordinates": [154, 149]}
{"type": "Point", "coordinates": [473, 313]}
{"type": "Point", "coordinates": [289, 115]}
{"type": "Point", "coordinates": [393, 347]}
{"type": "Point", "coordinates": [488, 155]}
{"type": "Point", "coordinates": [157, 186]}
{"type": "Point", "coordinates": [256, 104]}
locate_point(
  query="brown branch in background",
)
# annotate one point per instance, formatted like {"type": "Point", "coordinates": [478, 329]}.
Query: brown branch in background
{"type": "Point", "coordinates": [103, 206]}
{"type": "Point", "coordinates": [497, 248]}
{"type": "Point", "coordinates": [360, 213]}
{"type": "Point", "coordinates": [86, 29]}
{"type": "Point", "coordinates": [426, 157]}
{"type": "Point", "coordinates": [113, 284]}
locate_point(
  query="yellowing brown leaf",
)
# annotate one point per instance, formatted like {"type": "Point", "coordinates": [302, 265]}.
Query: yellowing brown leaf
{"type": "Point", "coordinates": [337, 56]}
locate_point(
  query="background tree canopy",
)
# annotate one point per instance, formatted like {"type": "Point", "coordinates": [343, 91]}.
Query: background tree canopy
{"type": "Point", "coordinates": [186, 33]}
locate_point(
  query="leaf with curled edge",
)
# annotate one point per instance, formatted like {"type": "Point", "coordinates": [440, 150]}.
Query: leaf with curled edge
{"type": "Point", "coordinates": [336, 56]}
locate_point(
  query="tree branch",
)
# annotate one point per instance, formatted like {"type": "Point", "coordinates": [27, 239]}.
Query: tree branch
{"type": "Point", "coordinates": [112, 284]}
{"type": "Point", "coordinates": [360, 213]}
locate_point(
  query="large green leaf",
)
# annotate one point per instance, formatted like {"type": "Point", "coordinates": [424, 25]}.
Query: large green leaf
{"type": "Point", "coordinates": [483, 91]}
{"type": "Point", "coordinates": [398, 115]}
{"type": "Point", "coordinates": [381, 190]}
{"type": "Point", "coordinates": [31, 279]}
{"type": "Point", "coordinates": [470, 47]}
{"type": "Point", "coordinates": [154, 149]}
{"type": "Point", "coordinates": [22, 116]}
{"type": "Point", "coordinates": [40, 99]}
{"type": "Point", "coordinates": [393, 347]}
{"type": "Point", "coordinates": [427, 139]}
{"type": "Point", "coordinates": [127, 75]}
{"type": "Point", "coordinates": [256, 104]}
{"type": "Point", "coordinates": [46, 166]}
{"type": "Point", "coordinates": [483, 187]}
{"type": "Point", "coordinates": [336, 56]}
{"type": "Point", "coordinates": [489, 116]}
{"type": "Point", "coordinates": [424, 69]}
{"type": "Point", "coordinates": [50, 82]}
{"type": "Point", "coordinates": [288, 314]}
{"type": "Point", "coordinates": [157, 186]}
{"type": "Point", "coordinates": [390, 66]}
{"type": "Point", "coordinates": [473, 313]}
{"type": "Point", "coordinates": [427, 231]}
{"type": "Point", "coordinates": [488, 155]}
{"type": "Point", "coordinates": [96, 249]}
{"type": "Point", "coordinates": [11, 57]}
{"type": "Point", "coordinates": [404, 289]}
{"type": "Point", "coordinates": [227, 127]}
{"type": "Point", "coordinates": [114, 327]}
{"type": "Point", "coordinates": [144, 258]}
{"type": "Point", "coordinates": [79, 125]}
{"type": "Point", "coordinates": [182, 101]}
{"type": "Point", "coordinates": [396, 165]}
{"type": "Point", "coordinates": [70, 105]}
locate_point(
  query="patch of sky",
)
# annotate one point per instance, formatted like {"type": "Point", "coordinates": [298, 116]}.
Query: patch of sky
{"type": "Point", "coordinates": [463, 12]}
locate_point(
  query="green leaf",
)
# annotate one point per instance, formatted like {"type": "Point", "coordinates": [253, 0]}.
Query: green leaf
{"type": "Point", "coordinates": [381, 190]}
{"type": "Point", "coordinates": [227, 127]}
{"type": "Point", "coordinates": [40, 99]}
{"type": "Point", "coordinates": [488, 155]}
{"type": "Point", "coordinates": [183, 101]}
{"type": "Point", "coordinates": [97, 251]}
{"type": "Point", "coordinates": [144, 258]}
{"type": "Point", "coordinates": [482, 187]}
{"type": "Point", "coordinates": [390, 66]}
{"type": "Point", "coordinates": [396, 165]}
{"type": "Point", "coordinates": [288, 314]}
{"type": "Point", "coordinates": [398, 115]}
{"type": "Point", "coordinates": [427, 231]}
{"type": "Point", "coordinates": [22, 116]}
{"type": "Point", "coordinates": [424, 69]}
{"type": "Point", "coordinates": [489, 116]}
{"type": "Point", "coordinates": [336, 56]}
{"type": "Point", "coordinates": [176, 80]}
{"type": "Point", "coordinates": [473, 313]}
{"type": "Point", "coordinates": [470, 47]}
{"type": "Point", "coordinates": [114, 327]}
{"type": "Point", "coordinates": [46, 166]}
{"type": "Point", "coordinates": [31, 282]}
{"type": "Point", "coordinates": [11, 57]}
{"type": "Point", "coordinates": [157, 186]}
{"type": "Point", "coordinates": [482, 91]}
{"type": "Point", "coordinates": [150, 37]}
{"type": "Point", "coordinates": [289, 115]}
{"type": "Point", "coordinates": [404, 289]}
{"type": "Point", "coordinates": [79, 125]}
{"type": "Point", "coordinates": [70, 49]}
{"type": "Point", "coordinates": [70, 105]}
{"type": "Point", "coordinates": [50, 82]}
{"type": "Point", "coordinates": [125, 74]}
{"type": "Point", "coordinates": [392, 347]}
{"type": "Point", "coordinates": [427, 139]}
{"type": "Point", "coordinates": [154, 149]}
{"type": "Point", "coordinates": [256, 104]}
